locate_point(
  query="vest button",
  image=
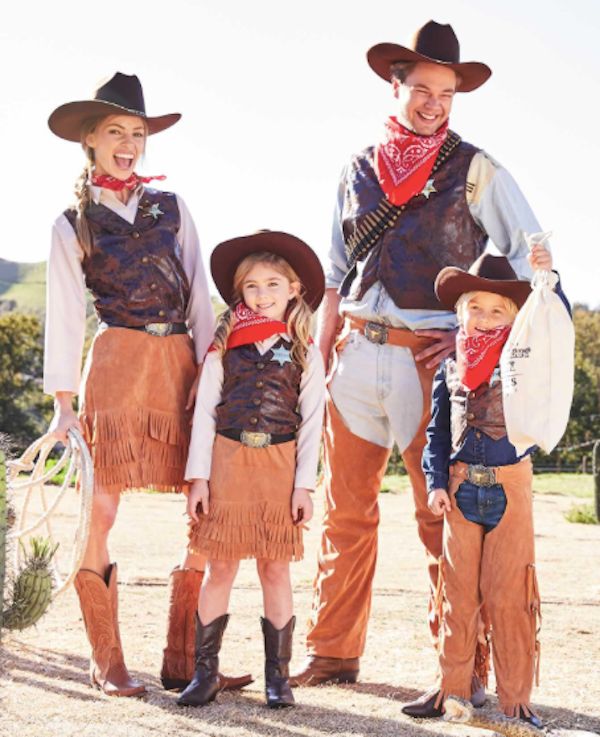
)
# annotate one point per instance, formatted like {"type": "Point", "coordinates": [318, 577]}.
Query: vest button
{"type": "Point", "coordinates": [153, 286]}
{"type": "Point", "coordinates": [135, 234]}
{"type": "Point", "coordinates": [256, 401]}
{"type": "Point", "coordinates": [478, 435]}
{"type": "Point", "coordinates": [260, 366]}
{"type": "Point", "coordinates": [259, 384]}
{"type": "Point", "coordinates": [470, 416]}
{"type": "Point", "coordinates": [254, 420]}
{"type": "Point", "coordinates": [161, 313]}
{"type": "Point", "coordinates": [471, 395]}
{"type": "Point", "coordinates": [145, 259]}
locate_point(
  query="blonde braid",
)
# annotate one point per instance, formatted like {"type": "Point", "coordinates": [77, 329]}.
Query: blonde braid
{"type": "Point", "coordinates": [299, 325]}
{"type": "Point", "coordinates": [223, 330]}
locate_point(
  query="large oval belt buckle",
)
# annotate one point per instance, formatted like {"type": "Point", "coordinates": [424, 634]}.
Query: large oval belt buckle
{"type": "Point", "coordinates": [375, 332]}
{"type": "Point", "coordinates": [482, 475]}
{"type": "Point", "coordinates": [160, 329]}
{"type": "Point", "coordinates": [255, 439]}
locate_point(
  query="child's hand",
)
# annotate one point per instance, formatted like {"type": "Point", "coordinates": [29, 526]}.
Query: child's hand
{"type": "Point", "coordinates": [439, 501]}
{"type": "Point", "coordinates": [302, 506]}
{"type": "Point", "coordinates": [540, 258]}
{"type": "Point", "coordinates": [198, 498]}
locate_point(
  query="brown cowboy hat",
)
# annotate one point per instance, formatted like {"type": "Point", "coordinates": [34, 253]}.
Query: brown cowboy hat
{"type": "Point", "coordinates": [487, 274]}
{"type": "Point", "coordinates": [227, 256]}
{"type": "Point", "coordinates": [122, 94]}
{"type": "Point", "coordinates": [435, 43]}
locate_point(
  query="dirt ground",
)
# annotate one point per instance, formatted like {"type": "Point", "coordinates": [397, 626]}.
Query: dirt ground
{"type": "Point", "coordinates": [44, 689]}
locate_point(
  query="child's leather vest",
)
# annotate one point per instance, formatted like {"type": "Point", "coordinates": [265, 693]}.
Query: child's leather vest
{"type": "Point", "coordinates": [135, 272]}
{"type": "Point", "coordinates": [480, 408]}
{"type": "Point", "coordinates": [260, 393]}
{"type": "Point", "coordinates": [433, 231]}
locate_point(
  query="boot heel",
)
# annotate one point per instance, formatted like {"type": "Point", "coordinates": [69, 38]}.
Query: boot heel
{"type": "Point", "coordinates": [345, 677]}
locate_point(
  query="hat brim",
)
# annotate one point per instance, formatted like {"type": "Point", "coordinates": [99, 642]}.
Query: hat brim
{"type": "Point", "coordinates": [381, 57]}
{"type": "Point", "coordinates": [452, 282]}
{"type": "Point", "coordinates": [227, 256]}
{"type": "Point", "coordinates": [66, 121]}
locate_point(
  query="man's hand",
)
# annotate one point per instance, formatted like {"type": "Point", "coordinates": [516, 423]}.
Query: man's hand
{"type": "Point", "coordinates": [198, 497]}
{"type": "Point", "coordinates": [439, 501]}
{"type": "Point", "coordinates": [444, 346]}
{"type": "Point", "coordinates": [302, 506]}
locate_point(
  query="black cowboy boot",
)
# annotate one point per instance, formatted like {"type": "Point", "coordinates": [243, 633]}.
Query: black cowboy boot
{"type": "Point", "coordinates": [278, 652]}
{"type": "Point", "coordinates": [205, 684]}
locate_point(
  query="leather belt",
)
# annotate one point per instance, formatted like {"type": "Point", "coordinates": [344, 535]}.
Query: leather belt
{"type": "Point", "coordinates": [376, 332]}
{"type": "Point", "coordinates": [256, 439]}
{"type": "Point", "coordinates": [159, 329]}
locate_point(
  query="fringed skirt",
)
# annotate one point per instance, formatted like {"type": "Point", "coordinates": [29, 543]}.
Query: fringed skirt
{"type": "Point", "coordinates": [250, 504]}
{"type": "Point", "coordinates": [133, 395]}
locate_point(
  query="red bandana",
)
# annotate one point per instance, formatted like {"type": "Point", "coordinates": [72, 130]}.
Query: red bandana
{"type": "Point", "coordinates": [404, 160]}
{"type": "Point", "coordinates": [251, 328]}
{"type": "Point", "coordinates": [477, 355]}
{"type": "Point", "coordinates": [108, 182]}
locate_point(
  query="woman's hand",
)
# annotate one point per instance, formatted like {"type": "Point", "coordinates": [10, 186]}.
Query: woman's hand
{"type": "Point", "coordinates": [439, 501]}
{"type": "Point", "coordinates": [64, 418]}
{"type": "Point", "coordinates": [191, 398]}
{"type": "Point", "coordinates": [198, 499]}
{"type": "Point", "coordinates": [302, 506]}
{"type": "Point", "coordinates": [540, 258]}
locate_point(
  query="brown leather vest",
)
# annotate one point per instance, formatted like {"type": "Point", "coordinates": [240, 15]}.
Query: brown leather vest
{"type": "Point", "coordinates": [135, 272]}
{"type": "Point", "coordinates": [431, 233]}
{"type": "Point", "coordinates": [481, 408]}
{"type": "Point", "coordinates": [259, 394]}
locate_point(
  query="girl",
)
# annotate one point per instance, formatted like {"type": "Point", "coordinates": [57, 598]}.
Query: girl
{"type": "Point", "coordinates": [255, 444]}
{"type": "Point", "coordinates": [137, 251]}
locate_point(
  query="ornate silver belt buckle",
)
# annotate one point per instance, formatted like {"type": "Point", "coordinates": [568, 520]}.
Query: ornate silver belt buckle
{"type": "Point", "coordinates": [377, 333]}
{"type": "Point", "coordinates": [160, 329]}
{"type": "Point", "coordinates": [255, 439]}
{"type": "Point", "coordinates": [481, 475]}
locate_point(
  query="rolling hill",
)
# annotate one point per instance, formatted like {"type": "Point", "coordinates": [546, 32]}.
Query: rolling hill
{"type": "Point", "coordinates": [22, 286]}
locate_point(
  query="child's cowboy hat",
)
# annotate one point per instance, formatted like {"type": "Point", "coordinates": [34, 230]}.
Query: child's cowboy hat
{"type": "Point", "coordinates": [122, 94]}
{"type": "Point", "coordinates": [304, 261]}
{"type": "Point", "coordinates": [434, 43]}
{"type": "Point", "coordinates": [487, 274]}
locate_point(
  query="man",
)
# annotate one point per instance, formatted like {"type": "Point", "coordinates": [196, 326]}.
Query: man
{"type": "Point", "coordinates": [420, 200]}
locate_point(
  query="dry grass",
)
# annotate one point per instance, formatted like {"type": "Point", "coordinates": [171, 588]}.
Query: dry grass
{"type": "Point", "coordinates": [45, 692]}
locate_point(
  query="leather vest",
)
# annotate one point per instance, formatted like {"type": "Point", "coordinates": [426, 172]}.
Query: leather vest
{"type": "Point", "coordinates": [481, 408]}
{"type": "Point", "coordinates": [433, 231]}
{"type": "Point", "coordinates": [260, 393]}
{"type": "Point", "coordinates": [135, 272]}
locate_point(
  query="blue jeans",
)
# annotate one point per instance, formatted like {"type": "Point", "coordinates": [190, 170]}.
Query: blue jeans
{"type": "Point", "coordinates": [483, 505]}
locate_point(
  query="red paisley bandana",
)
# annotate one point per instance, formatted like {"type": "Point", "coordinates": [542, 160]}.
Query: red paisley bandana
{"type": "Point", "coordinates": [108, 182]}
{"type": "Point", "coordinates": [404, 160]}
{"type": "Point", "coordinates": [251, 328]}
{"type": "Point", "coordinates": [478, 355]}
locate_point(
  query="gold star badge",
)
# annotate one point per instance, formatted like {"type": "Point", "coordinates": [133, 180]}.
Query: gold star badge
{"type": "Point", "coordinates": [428, 189]}
{"type": "Point", "coordinates": [281, 355]}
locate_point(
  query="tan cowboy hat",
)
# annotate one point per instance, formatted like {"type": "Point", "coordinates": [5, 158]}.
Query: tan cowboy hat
{"type": "Point", "coordinates": [122, 94]}
{"type": "Point", "coordinates": [487, 274]}
{"type": "Point", "coordinates": [227, 256]}
{"type": "Point", "coordinates": [434, 43]}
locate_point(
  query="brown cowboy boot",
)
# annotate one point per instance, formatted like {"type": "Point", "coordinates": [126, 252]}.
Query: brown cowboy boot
{"type": "Point", "coordinates": [98, 600]}
{"type": "Point", "coordinates": [204, 685]}
{"type": "Point", "coordinates": [178, 656]}
{"type": "Point", "coordinates": [319, 669]}
{"type": "Point", "coordinates": [278, 652]}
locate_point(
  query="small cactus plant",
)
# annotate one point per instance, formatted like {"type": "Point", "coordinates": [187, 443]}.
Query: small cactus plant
{"type": "Point", "coordinates": [32, 588]}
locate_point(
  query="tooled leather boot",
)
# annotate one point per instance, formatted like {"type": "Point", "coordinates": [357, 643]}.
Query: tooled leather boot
{"type": "Point", "coordinates": [319, 669]}
{"type": "Point", "coordinates": [179, 654]}
{"type": "Point", "coordinates": [278, 652]}
{"type": "Point", "coordinates": [204, 685]}
{"type": "Point", "coordinates": [99, 606]}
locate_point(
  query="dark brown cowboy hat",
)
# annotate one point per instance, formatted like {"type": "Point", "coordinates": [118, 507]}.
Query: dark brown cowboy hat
{"type": "Point", "coordinates": [122, 94]}
{"type": "Point", "coordinates": [487, 274]}
{"type": "Point", "coordinates": [227, 256]}
{"type": "Point", "coordinates": [434, 43]}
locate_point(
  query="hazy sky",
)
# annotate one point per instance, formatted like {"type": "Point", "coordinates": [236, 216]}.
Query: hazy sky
{"type": "Point", "coordinates": [276, 95]}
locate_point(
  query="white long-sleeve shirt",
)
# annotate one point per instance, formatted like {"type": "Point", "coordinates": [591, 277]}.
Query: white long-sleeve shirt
{"type": "Point", "coordinates": [66, 292]}
{"type": "Point", "coordinates": [311, 404]}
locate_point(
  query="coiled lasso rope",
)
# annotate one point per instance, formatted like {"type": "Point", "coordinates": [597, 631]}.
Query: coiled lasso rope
{"type": "Point", "coordinates": [79, 479]}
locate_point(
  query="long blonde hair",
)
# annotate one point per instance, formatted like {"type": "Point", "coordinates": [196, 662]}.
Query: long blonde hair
{"type": "Point", "coordinates": [83, 195]}
{"type": "Point", "coordinates": [299, 315]}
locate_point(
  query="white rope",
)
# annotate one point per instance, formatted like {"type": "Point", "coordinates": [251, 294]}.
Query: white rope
{"type": "Point", "coordinates": [80, 469]}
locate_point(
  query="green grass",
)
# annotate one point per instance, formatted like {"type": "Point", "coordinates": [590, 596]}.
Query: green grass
{"type": "Point", "coordinates": [24, 284]}
{"type": "Point", "coordinates": [395, 484]}
{"type": "Point", "coordinates": [583, 514]}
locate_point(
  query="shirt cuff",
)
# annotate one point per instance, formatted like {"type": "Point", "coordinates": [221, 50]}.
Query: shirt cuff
{"type": "Point", "coordinates": [436, 481]}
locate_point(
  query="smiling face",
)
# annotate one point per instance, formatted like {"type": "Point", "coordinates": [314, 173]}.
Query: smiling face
{"type": "Point", "coordinates": [425, 97]}
{"type": "Point", "coordinates": [118, 141]}
{"type": "Point", "coordinates": [266, 291]}
{"type": "Point", "coordinates": [480, 312]}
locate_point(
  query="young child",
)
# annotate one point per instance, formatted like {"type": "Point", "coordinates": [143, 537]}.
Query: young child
{"type": "Point", "coordinates": [476, 479]}
{"type": "Point", "coordinates": [255, 445]}
{"type": "Point", "coordinates": [136, 249]}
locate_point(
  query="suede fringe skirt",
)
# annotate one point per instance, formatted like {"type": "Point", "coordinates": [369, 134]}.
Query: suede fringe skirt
{"type": "Point", "coordinates": [133, 396]}
{"type": "Point", "coordinates": [250, 504]}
